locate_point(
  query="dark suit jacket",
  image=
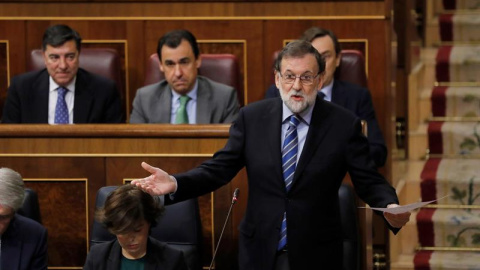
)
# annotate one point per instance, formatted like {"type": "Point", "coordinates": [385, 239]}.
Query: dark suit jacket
{"type": "Point", "coordinates": [358, 100]}
{"type": "Point", "coordinates": [24, 245]}
{"type": "Point", "coordinates": [216, 103]}
{"type": "Point", "coordinates": [334, 146]}
{"type": "Point", "coordinates": [107, 256]}
{"type": "Point", "coordinates": [96, 99]}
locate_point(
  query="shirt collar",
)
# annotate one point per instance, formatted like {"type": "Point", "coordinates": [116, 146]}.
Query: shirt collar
{"type": "Point", "coordinates": [327, 90]}
{"type": "Point", "coordinates": [306, 116]}
{"type": "Point", "coordinates": [192, 94]}
{"type": "Point", "coordinates": [53, 85]}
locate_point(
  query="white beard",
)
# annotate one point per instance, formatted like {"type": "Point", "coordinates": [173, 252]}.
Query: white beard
{"type": "Point", "coordinates": [298, 106]}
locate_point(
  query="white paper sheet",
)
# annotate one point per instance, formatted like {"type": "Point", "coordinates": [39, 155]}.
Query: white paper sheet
{"type": "Point", "coordinates": [404, 208]}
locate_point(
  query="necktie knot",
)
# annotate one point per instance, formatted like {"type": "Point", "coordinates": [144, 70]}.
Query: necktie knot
{"type": "Point", "coordinates": [294, 121]}
{"type": "Point", "coordinates": [184, 100]}
{"type": "Point", "coordinates": [62, 91]}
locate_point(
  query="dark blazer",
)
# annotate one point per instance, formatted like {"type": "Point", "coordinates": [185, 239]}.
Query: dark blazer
{"type": "Point", "coordinates": [107, 256]}
{"type": "Point", "coordinates": [334, 146]}
{"type": "Point", "coordinates": [216, 103]}
{"type": "Point", "coordinates": [358, 100]}
{"type": "Point", "coordinates": [96, 99]}
{"type": "Point", "coordinates": [24, 245]}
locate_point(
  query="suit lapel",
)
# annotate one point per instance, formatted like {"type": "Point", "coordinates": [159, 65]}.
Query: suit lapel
{"type": "Point", "coordinates": [204, 107]}
{"type": "Point", "coordinates": [316, 132]}
{"type": "Point", "coordinates": [272, 122]}
{"type": "Point", "coordinates": [39, 99]}
{"type": "Point", "coordinates": [83, 98]}
{"type": "Point", "coordinates": [114, 257]}
{"type": "Point", "coordinates": [11, 247]}
{"type": "Point", "coordinates": [163, 109]}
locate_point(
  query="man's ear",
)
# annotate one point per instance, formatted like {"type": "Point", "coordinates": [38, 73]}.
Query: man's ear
{"type": "Point", "coordinates": [198, 61]}
{"type": "Point", "coordinates": [338, 59]}
{"type": "Point", "coordinates": [277, 78]}
{"type": "Point", "coordinates": [160, 66]}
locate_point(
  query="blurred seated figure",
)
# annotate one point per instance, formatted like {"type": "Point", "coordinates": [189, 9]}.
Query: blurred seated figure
{"type": "Point", "coordinates": [352, 97]}
{"type": "Point", "coordinates": [62, 93]}
{"type": "Point", "coordinates": [23, 241]}
{"type": "Point", "coordinates": [129, 213]}
{"type": "Point", "coordinates": [183, 97]}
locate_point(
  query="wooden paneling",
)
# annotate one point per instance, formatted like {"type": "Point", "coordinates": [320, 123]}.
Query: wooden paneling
{"type": "Point", "coordinates": [194, 9]}
{"type": "Point", "coordinates": [4, 76]}
{"type": "Point", "coordinates": [63, 204]}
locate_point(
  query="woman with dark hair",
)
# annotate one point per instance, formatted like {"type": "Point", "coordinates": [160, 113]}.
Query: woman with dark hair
{"type": "Point", "coordinates": [129, 213]}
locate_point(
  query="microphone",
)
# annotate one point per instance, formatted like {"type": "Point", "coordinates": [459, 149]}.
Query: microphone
{"type": "Point", "coordinates": [234, 200]}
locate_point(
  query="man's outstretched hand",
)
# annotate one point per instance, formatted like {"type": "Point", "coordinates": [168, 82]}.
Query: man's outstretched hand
{"type": "Point", "coordinates": [158, 183]}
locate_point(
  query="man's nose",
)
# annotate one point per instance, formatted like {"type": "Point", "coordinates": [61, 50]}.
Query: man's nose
{"type": "Point", "coordinates": [63, 63]}
{"type": "Point", "coordinates": [297, 84]}
{"type": "Point", "coordinates": [178, 70]}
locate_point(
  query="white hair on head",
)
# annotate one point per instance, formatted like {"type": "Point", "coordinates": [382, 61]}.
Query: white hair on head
{"type": "Point", "coordinates": [12, 189]}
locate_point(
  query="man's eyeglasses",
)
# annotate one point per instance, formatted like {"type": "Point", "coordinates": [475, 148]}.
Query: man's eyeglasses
{"type": "Point", "coordinates": [304, 79]}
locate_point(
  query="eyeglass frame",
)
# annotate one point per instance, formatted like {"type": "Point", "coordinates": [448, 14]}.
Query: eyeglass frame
{"type": "Point", "coordinates": [302, 81]}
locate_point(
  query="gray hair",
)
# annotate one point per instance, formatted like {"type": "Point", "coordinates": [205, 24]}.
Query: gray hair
{"type": "Point", "coordinates": [299, 48]}
{"type": "Point", "coordinates": [12, 189]}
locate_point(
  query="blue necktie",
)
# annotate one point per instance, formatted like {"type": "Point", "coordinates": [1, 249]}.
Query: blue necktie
{"type": "Point", "coordinates": [289, 163]}
{"type": "Point", "coordinates": [61, 109]}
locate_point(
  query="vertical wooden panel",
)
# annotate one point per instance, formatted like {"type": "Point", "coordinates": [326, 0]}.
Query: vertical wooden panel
{"type": "Point", "coordinates": [63, 207]}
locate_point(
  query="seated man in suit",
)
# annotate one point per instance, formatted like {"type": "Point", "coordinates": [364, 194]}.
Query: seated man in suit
{"type": "Point", "coordinates": [129, 213]}
{"type": "Point", "coordinates": [183, 97]}
{"type": "Point", "coordinates": [350, 96]}
{"type": "Point", "coordinates": [62, 93]}
{"type": "Point", "coordinates": [23, 241]}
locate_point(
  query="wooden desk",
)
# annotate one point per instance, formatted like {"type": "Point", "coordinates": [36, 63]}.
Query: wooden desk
{"type": "Point", "coordinates": [67, 164]}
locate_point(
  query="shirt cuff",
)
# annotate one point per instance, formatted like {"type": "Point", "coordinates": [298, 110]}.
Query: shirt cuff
{"type": "Point", "coordinates": [172, 194]}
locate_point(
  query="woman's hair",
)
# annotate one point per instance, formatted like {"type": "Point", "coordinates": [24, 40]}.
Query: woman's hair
{"type": "Point", "coordinates": [12, 189]}
{"type": "Point", "coordinates": [126, 207]}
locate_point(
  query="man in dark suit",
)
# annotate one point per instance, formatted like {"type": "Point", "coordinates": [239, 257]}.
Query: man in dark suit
{"type": "Point", "coordinates": [206, 101]}
{"type": "Point", "coordinates": [292, 219]}
{"type": "Point", "coordinates": [23, 241]}
{"type": "Point", "coordinates": [62, 93]}
{"type": "Point", "coordinates": [352, 97]}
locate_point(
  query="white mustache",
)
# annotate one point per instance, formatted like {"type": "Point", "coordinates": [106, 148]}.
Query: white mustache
{"type": "Point", "coordinates": [295, 93]}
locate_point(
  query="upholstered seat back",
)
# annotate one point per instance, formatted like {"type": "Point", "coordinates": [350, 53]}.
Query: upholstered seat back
{"type": "Point", "coordinates": [30, 207]}
{"type": "Point", "coordinates": [179, 227]}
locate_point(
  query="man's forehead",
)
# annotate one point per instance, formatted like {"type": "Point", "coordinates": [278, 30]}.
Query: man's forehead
{"type": "Point", "coordinates": [306, 63]}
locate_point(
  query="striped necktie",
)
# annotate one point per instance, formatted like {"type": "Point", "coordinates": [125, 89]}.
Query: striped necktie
{"type": "Point", "coordinates": [61, 109]}
{"type": "Point", "coordinates": [289, 163]}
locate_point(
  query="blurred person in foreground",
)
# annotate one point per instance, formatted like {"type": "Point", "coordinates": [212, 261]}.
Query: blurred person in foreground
{"type": "Point", "coordinates": [23, 241]}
